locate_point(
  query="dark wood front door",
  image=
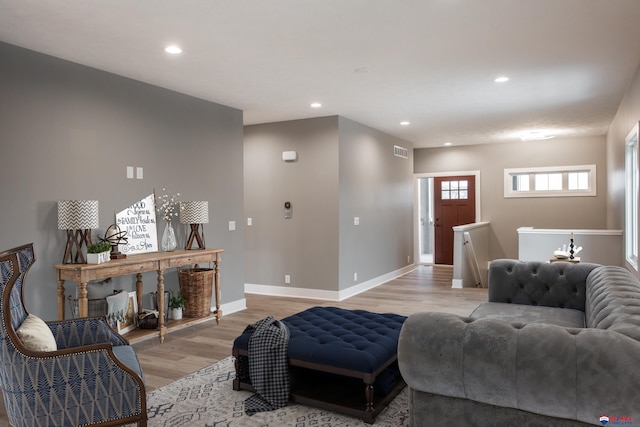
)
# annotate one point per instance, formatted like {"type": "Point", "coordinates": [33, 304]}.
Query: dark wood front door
{"type": "Point", "coordinates": [454, 204]}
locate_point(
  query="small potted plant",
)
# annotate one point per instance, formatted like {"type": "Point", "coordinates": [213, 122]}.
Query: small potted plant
{"type": "Point", "coordinates": [97, 253]}
{"type": "Point", "coordinates": [176, 305]}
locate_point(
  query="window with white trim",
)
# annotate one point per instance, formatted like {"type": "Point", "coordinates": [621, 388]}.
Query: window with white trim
{"type": "Point", "coordinates": [561, 181]}
{"type": "Point", "coordinates": [631, 197]}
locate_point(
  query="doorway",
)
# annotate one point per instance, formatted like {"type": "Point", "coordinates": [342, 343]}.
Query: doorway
{"type": "Point", "coordinates": [442, 202]}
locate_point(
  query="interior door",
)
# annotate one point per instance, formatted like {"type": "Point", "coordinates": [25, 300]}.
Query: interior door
{"type": "Point", "coordinates": [454, 203]}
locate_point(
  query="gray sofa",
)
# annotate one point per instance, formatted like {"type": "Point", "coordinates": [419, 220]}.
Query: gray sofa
{"type": "Point", "coordinates": [556, 345]}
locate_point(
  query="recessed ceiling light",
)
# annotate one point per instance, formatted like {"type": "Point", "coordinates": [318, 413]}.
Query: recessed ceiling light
{"type": "Point", "coordinates": [447, 144]}
{"type": "Point", "coordinates": [173, 49]}
{"type": "Point", "coordinates": [501, 79]}
{"type": "Point", "coordinates": [316, 105]}
{"type": "Point", "coordinates": [535, 136]}
{"type": "Point", "coordinates": [405, 123]}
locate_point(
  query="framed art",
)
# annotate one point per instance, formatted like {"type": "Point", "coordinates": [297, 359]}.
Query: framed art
{"type": "Point", "coordinates": [130, 316]}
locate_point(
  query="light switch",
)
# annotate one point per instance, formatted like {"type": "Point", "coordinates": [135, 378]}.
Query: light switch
{"type": "Point", "coordinates": [356, 220]}
{"type": "Point", "coordinates": [232, 225]}
{"type": "Point", "coordinates": [139, 172]}
{"type": "Point", "coordinates": [130, 172]}
{"type": "Point", "coordinates": [249, 222]}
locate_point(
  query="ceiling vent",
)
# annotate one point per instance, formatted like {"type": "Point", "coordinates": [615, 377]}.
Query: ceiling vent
{"type": "Point", "coordinates": [400, 152]}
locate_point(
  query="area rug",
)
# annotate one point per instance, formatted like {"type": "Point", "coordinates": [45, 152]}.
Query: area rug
{"type": "Point", "coordinates": [206, 399]}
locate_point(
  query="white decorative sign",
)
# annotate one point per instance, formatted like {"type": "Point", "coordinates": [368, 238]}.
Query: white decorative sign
{"type": "Point", "coordinates": [139, 221]}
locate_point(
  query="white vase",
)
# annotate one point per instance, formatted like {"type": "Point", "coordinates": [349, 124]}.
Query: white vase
{"type": "Point", "coordinates": [175, 313]}
{"type": "Point", "coordinates": [169, 242]}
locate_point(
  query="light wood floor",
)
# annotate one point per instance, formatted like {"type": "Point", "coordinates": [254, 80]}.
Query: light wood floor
{"type": "Point", "coordinates": [424, 289]}
{"type": "Point", "coordinates": [184, 351]}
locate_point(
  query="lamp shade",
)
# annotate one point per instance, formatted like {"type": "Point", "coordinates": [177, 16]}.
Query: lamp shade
{"type": "Point", "coordinates": [77, 214]}
{"type": "Point", "coordinates": [194, 212]}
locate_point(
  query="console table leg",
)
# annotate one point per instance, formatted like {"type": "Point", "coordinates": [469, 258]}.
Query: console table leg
{"type": "Point", "coordinates": [60, 299]}
{"type": "Point", "coordinates": [83, 304]}
{"type": "Point", "coordinates": [216, 265]}
{"type": "Point", "coordinates": [161, 327]}
{"type": "Point", "coordinates": [139, 290]}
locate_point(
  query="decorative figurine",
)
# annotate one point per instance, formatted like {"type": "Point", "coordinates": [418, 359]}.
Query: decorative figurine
{"type": "Point", "coordinates": [115, 237]}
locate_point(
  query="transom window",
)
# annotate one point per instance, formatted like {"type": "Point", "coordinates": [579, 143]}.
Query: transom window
{"type": "Point", "coordinates": [550, 181]}
{"type": "Point", "coordinates": [455, 190]}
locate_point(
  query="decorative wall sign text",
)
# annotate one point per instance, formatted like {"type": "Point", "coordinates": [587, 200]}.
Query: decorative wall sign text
{"type": "Point", "coordinates": [139, 221]}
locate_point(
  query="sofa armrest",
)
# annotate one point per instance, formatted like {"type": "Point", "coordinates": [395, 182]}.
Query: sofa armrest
{"type": "Point", "coordinates": [539, 368]}
{"type": "Point", "coordinates": [559, 284]}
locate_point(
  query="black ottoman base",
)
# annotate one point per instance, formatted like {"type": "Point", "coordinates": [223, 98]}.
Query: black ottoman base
{"type": "Point", "coordinates": [332, 384]}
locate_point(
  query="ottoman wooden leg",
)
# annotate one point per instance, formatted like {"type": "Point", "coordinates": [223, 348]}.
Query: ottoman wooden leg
{"type": "Point", "coordinates": [368, 394]}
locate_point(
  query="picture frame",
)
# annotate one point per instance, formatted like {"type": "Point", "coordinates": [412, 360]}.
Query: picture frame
{"type": "Point", "coordinates": [131, 315]}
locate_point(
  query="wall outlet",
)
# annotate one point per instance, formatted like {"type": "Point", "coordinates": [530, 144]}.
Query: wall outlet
{"type": "Point", "coordinates": [287, 279]}
{"type": "Point", "coordinates": [355, 277]}
{"type": "Point", "coordinates": [249, 222]}
{"type": "Point", "coordinates": [408, 259]}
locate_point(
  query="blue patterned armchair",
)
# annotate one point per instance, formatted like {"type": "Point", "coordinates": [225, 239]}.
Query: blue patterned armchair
{"type": "Point", "coordinates": [91, 378]}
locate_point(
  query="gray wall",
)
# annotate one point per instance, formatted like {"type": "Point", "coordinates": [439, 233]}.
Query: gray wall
{"type": "Point", "coordinates": [507, 215]}
{"type": "Point", "coordinates": [69, 131]}
{"type": "Point", "coordinates": [305, 246]}
{"type": "Point", "coordinates": [343, 170]}
{"type": "Point", "coordinates": [627, 116]}
{"type": "Point", "coordinates": [375, 186]}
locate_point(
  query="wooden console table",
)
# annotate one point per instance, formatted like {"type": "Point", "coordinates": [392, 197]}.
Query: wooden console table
{"type": "Point", "coordinates": [137, 264]}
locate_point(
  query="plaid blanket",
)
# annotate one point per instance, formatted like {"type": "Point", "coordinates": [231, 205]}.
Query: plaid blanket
{"type": "Point", "coordinates": [268, 367]}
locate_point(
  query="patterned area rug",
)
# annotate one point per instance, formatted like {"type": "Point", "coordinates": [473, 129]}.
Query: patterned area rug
{"type": "Point", "coordinates": [206, 399]}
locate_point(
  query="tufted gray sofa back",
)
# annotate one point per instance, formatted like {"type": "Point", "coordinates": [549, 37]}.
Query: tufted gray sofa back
{"type": "Point", "coordinates": [613, 301]}
{"type": "Point", "coordinates": [559, 284]}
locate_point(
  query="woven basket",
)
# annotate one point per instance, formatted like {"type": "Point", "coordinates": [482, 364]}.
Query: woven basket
{"type": "Point", "coordinates": [195, 288]}
{"type": "Point", "coordinates": [149, 322]}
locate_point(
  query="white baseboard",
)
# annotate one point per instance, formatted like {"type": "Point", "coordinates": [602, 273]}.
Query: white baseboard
{"type": "Point", "coordinates": [377, 281]}
{"type": "Point", "coordinates": [232, 307]}
{"type": "Point", "coordinates": [282, 291]}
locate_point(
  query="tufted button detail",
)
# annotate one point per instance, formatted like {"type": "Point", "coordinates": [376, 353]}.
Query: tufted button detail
{"type": "Point", "coordinates": [534, 303]}
{"type": "Point", "coordinates": [319, 333]}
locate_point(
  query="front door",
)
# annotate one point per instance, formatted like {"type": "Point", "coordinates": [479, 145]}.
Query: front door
{"type": "Point", "coordinates": [454, 204]}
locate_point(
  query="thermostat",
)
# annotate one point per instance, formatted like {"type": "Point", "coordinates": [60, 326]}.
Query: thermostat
{"type": "Point", "coordinates": [289, 156]}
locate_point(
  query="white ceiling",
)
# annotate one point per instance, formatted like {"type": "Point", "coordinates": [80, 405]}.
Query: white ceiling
{"type": "Point", "coordinates": [431, 62]}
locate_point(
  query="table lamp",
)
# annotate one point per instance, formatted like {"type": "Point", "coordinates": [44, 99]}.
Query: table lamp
{"type": "Point", "coordinates": [78, 217]}
{"type": "Point", "coordinates": [195, 213]}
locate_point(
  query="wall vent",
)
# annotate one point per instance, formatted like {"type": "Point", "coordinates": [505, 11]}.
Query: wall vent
{"type": "Point", "coordinates": [400, 152]}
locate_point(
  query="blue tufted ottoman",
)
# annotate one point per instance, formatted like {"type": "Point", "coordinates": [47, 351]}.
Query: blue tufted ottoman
{"type": "Point", "coordinates": [336, 354]}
